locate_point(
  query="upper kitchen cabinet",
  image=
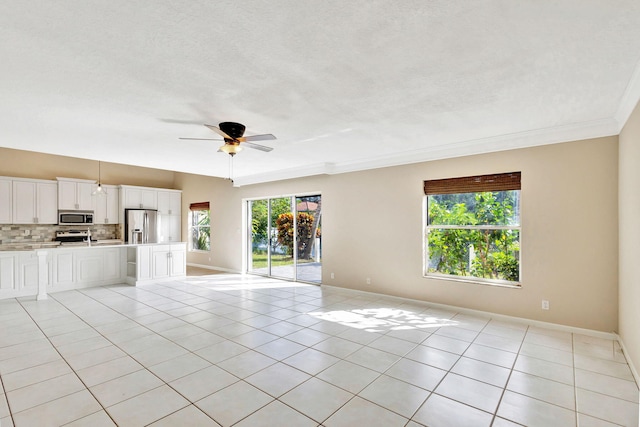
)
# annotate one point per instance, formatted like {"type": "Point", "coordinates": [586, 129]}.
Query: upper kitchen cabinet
{"type": "Point", "coordinates": [138, 197]}
{"type": "Point", "coordinates": [35, 201]}
{"type": "Point", "coordinates": [105, 206]}
{"type": "Point", "coordinates": [170, 202]}
{"type": "Point", "coordinates": [75, 194]}
{"type": "Point", "coordinates": [170, 210]}
{"type": "Point", "coordinates": [6, 201]}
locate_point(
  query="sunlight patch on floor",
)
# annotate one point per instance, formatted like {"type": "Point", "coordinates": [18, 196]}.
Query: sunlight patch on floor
{"type": "Point", "coordinates": [383, 319]}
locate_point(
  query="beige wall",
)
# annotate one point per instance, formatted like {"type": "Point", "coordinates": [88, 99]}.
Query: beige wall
{"type": "Point", "coordinates": [629, 214]}
{"type": "Point", "coordinates": [28, 164]}
{"type": "Point", "coordinates": [372, 228]}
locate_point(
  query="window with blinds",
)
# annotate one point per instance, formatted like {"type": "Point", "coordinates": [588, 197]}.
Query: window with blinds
{"type": "Point", "coordinates": [472, 228]}
{"type": "Point", "coordinates": [199, 226]}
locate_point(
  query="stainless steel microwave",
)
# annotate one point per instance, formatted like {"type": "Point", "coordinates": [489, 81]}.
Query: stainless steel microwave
{"type": "Point", "coordinates": [75, 217]}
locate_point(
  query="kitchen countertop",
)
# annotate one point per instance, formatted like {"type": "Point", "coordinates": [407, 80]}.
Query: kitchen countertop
{"type": "Point", "coordinates": [21, 247]}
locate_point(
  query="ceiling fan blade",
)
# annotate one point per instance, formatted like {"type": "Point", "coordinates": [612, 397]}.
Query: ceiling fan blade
{"type": "Point", "coordinates": [218, 131]}
{"type": "Point", "coordinates": [266, 137]}
{"type": "Point", "coordinates": [203, 139]}
{"type": "Point", "coordinates": [257, 147]}
{"type": "Point", "coordinates": [182, 122]}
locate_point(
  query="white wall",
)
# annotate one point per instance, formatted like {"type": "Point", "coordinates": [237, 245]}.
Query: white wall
{"type": "Point", "coordinates": [372, 228]}
{"type": "Point", "coordinates": [629, 214]}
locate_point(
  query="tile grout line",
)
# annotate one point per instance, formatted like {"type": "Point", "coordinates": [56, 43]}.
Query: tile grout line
{"type": "Point", "coordinates": [65, 360]}
{"type": "Point", "coordinates": [234, 300]}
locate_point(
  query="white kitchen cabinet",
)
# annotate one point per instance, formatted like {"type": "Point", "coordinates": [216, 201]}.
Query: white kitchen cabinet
{"type": "Point", "coordinates": [106, 206]}
{"type": "Point", "coordinates": [47, 202]}
{"type": "Point", "coordinates": [156, 262]}
{"type": "Point", "coordinates": [75, 194]}
{"type": "Point", "coordinates": [28, 272]}
{"type": "Point", "coordinates": [35, 202]}
{"type": "Point", "coordinates": [161, 261]}
{"type": "Point", "coordinates": [170, 229]}
{"type": "Point", "coordinates": [169, 261]}
{"type": "Point", "coordinates": [169, 214]}
{"type": "Point", "coordinates": [111, 263]}
{"type": "Point", "coordinates": [6, 201]}
{"type": "Point", "coordinates": [89, 266]}
{"type": "Point", "coordinates": [138, 197]}
{"type": "Point", "coordinates": [169, 202]}
{"type": "Point", "coordinates": [7, 273]}
{"type": "Point", "coordinates": [62, 271]}
{"type": "Point", "coordinates": [18, 274]}
{"type": "Point", "coordinates": [139, 264]}
{"type": "Point", "coordinates": [178, 260]}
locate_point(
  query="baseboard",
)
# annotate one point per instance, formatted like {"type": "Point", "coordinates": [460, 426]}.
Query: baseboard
{"type": "Point", "coordinates": [211, 267]}
{"type": "Point", "coordinates": [634, 371]}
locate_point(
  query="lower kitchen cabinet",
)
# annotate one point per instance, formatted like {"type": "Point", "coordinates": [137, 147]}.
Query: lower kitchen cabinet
{"type": "Point", "coordinates": [7, 273]}
{"type": "Point", "coordinates": [161, 261]}
{"type": "Point", "coordinates": [138, 264]}
{"type": "Point", "coordinates": [18, 274]}
{"type": "Point", "coordinates": [79, 268]}
{"type": "Point", "coordinates": [62, 269]}
{"type": "Point", "coordinates": [74, 268]}
{"type": "Point", "coordinates": [89, 266]}
{"type": "Point", "coordinates": [178, 260]}
{"type": "Point", "coordinates": [28, 272]}
{"type": "Point", "coordinates": [156, 262]}
{"type": "Point", "coordinates": [112, 264]}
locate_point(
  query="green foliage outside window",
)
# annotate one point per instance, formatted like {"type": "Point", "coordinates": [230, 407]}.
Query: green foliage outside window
{"type": "Point", "coordinates": [304, 224]}
{"type": "Point", "coordinates": [475, 235]}
{"type": "Point", "coordinates": [201, 230]}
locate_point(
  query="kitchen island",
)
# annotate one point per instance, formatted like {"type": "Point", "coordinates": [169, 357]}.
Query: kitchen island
{"type": "Point", "coordinates": [54, 269]}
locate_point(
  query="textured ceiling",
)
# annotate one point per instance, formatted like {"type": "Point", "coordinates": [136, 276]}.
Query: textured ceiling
{"type": "Point", "coordinates": [344, 85]}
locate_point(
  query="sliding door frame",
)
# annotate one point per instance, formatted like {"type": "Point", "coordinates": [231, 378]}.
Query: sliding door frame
{"type": "Point", "coordinates": [247, 248]}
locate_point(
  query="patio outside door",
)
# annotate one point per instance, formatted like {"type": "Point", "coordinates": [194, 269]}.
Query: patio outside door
{"type": "Point", "coordinates": [285, 237]}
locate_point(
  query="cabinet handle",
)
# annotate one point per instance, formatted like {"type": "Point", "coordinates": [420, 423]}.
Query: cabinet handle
{"type": "Point", "coordinates": [141, 206]}
{"type": "Point", "coordinates": [169, 211]}
{"type": "Point", "coordinates": [106, 220]}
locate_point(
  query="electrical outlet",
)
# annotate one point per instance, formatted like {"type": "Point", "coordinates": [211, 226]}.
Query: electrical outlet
{"type": "Point", "coordinates": [545, 304]}
{"type": "Point", "coordinates": [368, 281]}
{"type": "Point", "coordinates": [333, 276]}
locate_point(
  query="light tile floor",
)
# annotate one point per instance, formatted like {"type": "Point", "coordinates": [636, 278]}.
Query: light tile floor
{"type": "Point", "coordinates": [250, 351]}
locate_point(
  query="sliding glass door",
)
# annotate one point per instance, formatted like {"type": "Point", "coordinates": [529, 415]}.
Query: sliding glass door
{"type": "Point", "coordinates": [309, 234]}
{"type": "Point", "coordinates": [282, 238]}
{"type": "Point", "coordinates": [285, 237]}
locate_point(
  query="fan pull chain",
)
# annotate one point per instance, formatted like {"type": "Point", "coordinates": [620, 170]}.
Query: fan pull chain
{"type": "Point", "coordinates": [231, 168]}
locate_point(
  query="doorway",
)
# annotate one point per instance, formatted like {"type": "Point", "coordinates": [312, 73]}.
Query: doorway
{"type": "Point", "coordinates": [285, 237]}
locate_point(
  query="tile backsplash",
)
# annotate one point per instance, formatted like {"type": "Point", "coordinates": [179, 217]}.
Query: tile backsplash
{"type": "Point", "coordinates": [28, 235]}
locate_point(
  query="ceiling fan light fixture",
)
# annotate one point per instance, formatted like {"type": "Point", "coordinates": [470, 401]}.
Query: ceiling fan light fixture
{"type": "Point", "coordinates": [231, 149]}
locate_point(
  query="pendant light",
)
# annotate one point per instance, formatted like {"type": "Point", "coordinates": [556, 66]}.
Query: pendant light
{"type": "Point", "coordinates": [99, 191]}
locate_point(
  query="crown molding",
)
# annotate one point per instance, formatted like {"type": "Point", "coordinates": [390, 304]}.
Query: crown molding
{"type": "Point", "coordinates": [291, 173]}
{"type": "Point", "coordinates": [533, 138]}
{"type": "Point", "coordinates": [629, 99]}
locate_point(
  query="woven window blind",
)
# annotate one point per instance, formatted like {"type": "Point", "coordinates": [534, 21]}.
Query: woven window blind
{"type": "Point", "coordinates": [473, 184]}
{"type": "Point", "coordinates": [200, 206]}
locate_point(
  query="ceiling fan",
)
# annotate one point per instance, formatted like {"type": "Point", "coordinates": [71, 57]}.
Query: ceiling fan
{"type": "Point", "coordinates": [232, 134]}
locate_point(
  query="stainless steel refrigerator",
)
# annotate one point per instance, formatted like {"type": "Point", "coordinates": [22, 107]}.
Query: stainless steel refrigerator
{"type": "Point", "coordinates": [141, 226]}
